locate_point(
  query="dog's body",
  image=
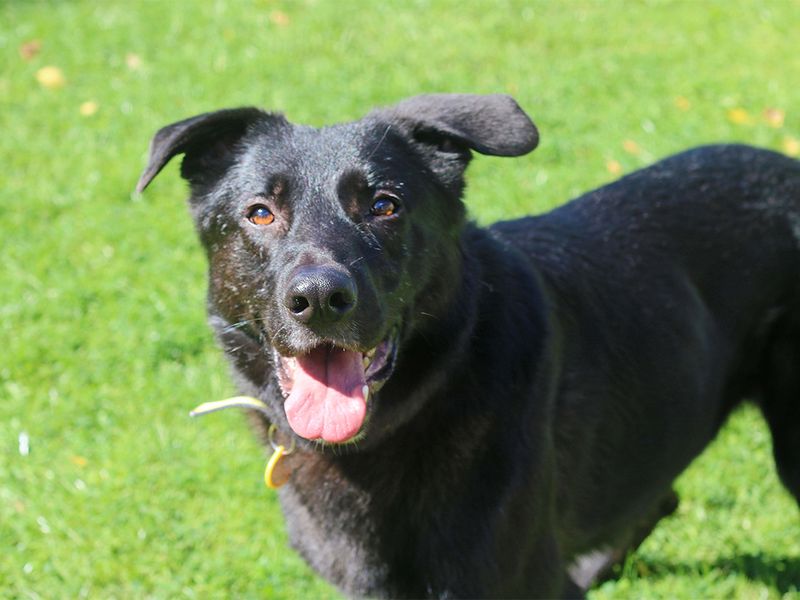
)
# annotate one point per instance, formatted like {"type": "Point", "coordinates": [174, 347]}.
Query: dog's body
{"type": "Point", "coordinates": [535, 387]}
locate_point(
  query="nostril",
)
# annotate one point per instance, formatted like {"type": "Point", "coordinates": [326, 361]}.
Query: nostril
{"type": "Point", "coordinates": [340, 301]}
{"type": "Point", "coordinates": [298, 304]}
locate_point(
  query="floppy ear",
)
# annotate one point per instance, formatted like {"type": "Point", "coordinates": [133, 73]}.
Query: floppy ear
{"type": "Point", "coordinates": [206, 140]}
{"type": "Point", "coordinates": [445, 127]}
{"type": "Point", "coordinates": [492, 124]}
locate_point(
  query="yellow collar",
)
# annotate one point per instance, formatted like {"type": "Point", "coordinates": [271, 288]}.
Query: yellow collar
{"type": "Point", "coordinates": [277, 471]}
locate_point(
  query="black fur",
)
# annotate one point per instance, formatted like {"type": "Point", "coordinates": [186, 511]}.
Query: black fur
{"type": "Point", "coordinates": [554, 374]}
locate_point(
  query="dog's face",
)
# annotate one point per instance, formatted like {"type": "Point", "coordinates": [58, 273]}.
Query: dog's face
{"type": "Point", "coordinates": [330, 248]}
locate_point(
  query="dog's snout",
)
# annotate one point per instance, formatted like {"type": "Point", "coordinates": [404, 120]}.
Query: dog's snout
{"type": "Point", "coordinates": [320, 295]}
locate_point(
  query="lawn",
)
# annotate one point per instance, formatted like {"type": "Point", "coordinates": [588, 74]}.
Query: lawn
{"type": "Point", "coordinates": [107, 488]}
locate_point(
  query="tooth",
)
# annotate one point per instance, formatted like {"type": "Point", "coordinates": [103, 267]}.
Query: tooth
{"type": "Point", "coordinates": [365, 391]}
{"type": "Point", "coordinates": [366, 362]}
{"type": "Point", "coordinates": [371, 353]}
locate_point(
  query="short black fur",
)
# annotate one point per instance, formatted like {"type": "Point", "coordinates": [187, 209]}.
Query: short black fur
{"type": "Point", "coordinates": [553, 374]}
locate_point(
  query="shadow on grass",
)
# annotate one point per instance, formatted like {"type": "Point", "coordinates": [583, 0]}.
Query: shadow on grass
{"type": "Point", "coordinates": [780, 573]}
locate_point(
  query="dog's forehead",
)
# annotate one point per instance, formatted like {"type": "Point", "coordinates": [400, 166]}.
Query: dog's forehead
{"type": "Point", "coordinates": [316, 156]}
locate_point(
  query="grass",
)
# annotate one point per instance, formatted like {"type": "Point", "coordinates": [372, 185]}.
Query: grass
{"type": "Point", "coordinates": [103, 343]}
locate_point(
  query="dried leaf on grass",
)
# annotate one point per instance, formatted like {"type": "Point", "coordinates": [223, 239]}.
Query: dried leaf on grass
{"type": "Point", "coordinates": [774, 117]}
{"type": "Point", "coordinates": [791, 146]}
{"type": "Point", "coordinates": [682, 103]}
{"type": "Point", "coordinates": [89, 108]}
{"type": "Point", "coordinates": [631, 147]}
{"type": "Point", "coordinates": [79, 461]}
{"type": "Point", "coordinates": [279, 18]}
{"type": "Point", "coordinates": [739, 116]}
{"type": "Point", "coordinates": [30, 49]}
{"type": "Point", "coordinates": [51, 77]}
{"type": "Point", "coordinates": [134, 61]}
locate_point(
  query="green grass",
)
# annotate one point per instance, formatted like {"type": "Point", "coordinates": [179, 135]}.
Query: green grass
{"type": "Point", "coordinates": [103, 341]}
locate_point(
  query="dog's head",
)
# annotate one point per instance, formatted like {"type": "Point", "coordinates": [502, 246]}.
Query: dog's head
{"type": "Point", "coordinates": [330, 248]}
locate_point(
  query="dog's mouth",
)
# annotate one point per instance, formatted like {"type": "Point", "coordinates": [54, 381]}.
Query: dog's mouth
{"type": "Point", "coordinates": [327, 389]}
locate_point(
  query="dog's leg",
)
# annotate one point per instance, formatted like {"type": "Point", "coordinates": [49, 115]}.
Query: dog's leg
{"type": "Point", "coordinates": [598, 566]}
{"type": "Point", "coordinates": [594, 567]}
{"type": "Point", "coordinates": [572, 590]}
{"type": "Point", "coordinates": [781, 406]}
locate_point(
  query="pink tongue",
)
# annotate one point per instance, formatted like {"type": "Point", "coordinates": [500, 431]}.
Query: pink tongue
{"type": "Point", "coordinates": [326, 399]}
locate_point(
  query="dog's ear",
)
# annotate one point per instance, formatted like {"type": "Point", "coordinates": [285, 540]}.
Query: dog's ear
{"type": "Point", "coordinates": [492, 124]}
{"type": "Point", "coordinates": [206, 140]}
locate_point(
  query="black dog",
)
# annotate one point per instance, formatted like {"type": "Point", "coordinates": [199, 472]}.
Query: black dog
{"type": "Point", "coordinates": [488, 412]}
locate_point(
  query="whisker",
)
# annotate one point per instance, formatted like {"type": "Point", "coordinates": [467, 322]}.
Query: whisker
{"type": "Point", "coordinates": [380, 141]}
{"type": "Point", "coordinates": [371, 238]}
{"type": "Point", "coordinates": [235, 326]}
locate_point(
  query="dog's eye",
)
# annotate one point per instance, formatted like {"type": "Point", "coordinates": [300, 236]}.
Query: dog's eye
{"type": "Point", "coordinates": [258, 214]}
{"type": "Point", "coordinates": [384, 206]}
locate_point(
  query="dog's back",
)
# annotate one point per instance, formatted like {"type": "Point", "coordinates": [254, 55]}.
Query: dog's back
{"type": "Point", "coordinates": [677, 293]}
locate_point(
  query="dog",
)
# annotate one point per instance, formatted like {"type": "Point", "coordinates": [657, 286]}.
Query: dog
{"type": "Point", "coordinates": [487, 412]}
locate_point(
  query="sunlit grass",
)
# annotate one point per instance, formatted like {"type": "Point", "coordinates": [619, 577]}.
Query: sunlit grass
{"type": "Point", "coordinates": [103, 341]}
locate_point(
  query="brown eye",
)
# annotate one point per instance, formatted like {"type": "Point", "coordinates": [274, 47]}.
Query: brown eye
{"type": "Point", "coordinates": [384, 206]}
{"type": "Point", "coordinates": [258, 214]}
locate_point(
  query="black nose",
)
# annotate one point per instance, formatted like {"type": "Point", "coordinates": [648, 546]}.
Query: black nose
{"type": "Point", "coordinates": [320, 295]}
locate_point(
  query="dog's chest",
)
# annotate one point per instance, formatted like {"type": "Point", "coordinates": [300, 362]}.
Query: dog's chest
{"type": "Point", "coordinates": [376, 537]}
{"type": "Point", "coordinates": [346, 534]}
